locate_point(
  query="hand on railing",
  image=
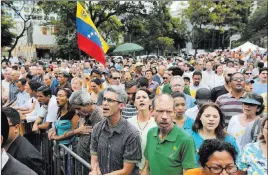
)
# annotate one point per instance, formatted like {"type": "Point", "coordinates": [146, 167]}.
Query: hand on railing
{"type": "Point", "coordinates": [95, 170]}
{"type": "Point", "coordinates": [51, 135]}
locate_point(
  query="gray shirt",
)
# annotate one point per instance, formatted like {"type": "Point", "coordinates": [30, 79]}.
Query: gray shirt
{"type": "Point", "coordinates": [117, 145]}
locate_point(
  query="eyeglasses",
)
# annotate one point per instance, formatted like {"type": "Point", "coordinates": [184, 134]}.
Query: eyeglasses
{"type": "Point", "coordinates": [164, 78]}
{"type": "Point", "coordinates": [109, 100]}
{"type": "Point", "coordinates": [229, 75]}
{"type": "Point", "coordinates": [217, 170]}
{"type": "Point", "coordinates": [161, 112]}
{"type": "Point", "coordinates": [238, 79]}
{"type": "Point", "coordinates": [115, 78]}
{"type": "Point", "coordinates": [248, 73]}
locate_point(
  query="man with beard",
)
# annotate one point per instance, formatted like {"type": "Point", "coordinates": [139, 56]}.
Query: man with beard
{"type": "Point", "coordinates": [169, 149]}
{"type": "Point", "coordinates": [224, 89]}
{"type": "Point", "coordinates": [130, 109]}
{"type": "Point", "coordinates": [89, 116]}
{"type": "Point", "coordinates": [230, 104]}
{"type": "Point", "coordinates": [115, 143]}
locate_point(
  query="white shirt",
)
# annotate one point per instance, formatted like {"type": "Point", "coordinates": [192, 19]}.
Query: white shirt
{"type": "Point", "coordinates": [32, 116]}
{"type": "Point", "coordinates": [4, 158]}
{"type": "Point", "coordinates": [143, 128]}
{"type": "Point", "coordinates": [192, 112]}
{"type": "Point", "coordinates": [52, 110]}
{"type": "Point", "coordinates": [218, 81]}
{"type": "Point", "coordinates": [207, 77]}
{"type": "Point", "coordinates": [22, 99]}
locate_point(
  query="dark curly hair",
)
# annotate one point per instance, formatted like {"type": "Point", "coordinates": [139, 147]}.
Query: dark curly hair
{"type": "Point", "coordinates": [210, 146]}
{"type": "Point", "coordinates": [97, 81]}
{"type": "Point", "coordinates": [34, 85]}
{"type": "Point", "coordinates": [219, 131]}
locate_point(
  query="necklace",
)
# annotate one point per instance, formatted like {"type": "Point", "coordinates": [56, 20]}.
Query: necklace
{"type": "Point", "coordinates": [141, 129]}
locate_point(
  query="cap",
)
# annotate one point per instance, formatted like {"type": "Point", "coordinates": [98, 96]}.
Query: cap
{"type": "Point", "coordinates": [65, 74]}
{"type": "Point", "coordinates": [203, 94]}
{"type": "Point", "coordinates": [249, 81]}
{"type": "Point", "coordinates": [138, 64]}
{"type": "Point", "coordinates": [250, 101]}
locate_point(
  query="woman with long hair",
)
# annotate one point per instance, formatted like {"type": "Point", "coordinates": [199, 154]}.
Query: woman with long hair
{"type": "Point", "coordinates": [252, 108]}
{"type": "Point", "coordinates": [209, 124]}
{"type": "Point", "coordinates": [253, 158]}
{"type": "Point", "coordinates": [144, 120]}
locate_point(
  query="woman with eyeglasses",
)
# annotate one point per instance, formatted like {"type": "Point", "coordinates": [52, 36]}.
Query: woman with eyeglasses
{"type": "Point", "coordinates": [209, 124]}
{"type": "Point", "coordinates": [96, 88]}
{"type": "Point", "coordinates": [67, 119]}
{"type": "Point", "coordinates": [252, 108]}
{"type": "Point", "coordinates": [253, 158]}
{"type": "Point", "coordinates": [216, 157]}
{"type": "Point", "coordinates": [143, 121]}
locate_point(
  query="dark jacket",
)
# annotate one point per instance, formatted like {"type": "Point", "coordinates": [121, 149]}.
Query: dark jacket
{"type": "Point", "coordinates": [22, 150]}
{"type": "Point", "coordinates": [14, 167]}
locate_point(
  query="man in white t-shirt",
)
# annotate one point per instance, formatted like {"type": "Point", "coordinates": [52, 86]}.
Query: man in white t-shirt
{"type": "Point", "coordinates": [49, 103]}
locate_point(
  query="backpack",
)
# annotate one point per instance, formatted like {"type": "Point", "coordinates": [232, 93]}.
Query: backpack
{"type": "Point", "coordinates": [255, 130]}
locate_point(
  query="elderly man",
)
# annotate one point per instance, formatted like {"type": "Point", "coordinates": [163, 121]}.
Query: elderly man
{"type": "Point", "coordinates": [159, 76]}
{"type": "Point", "coordinates": [177, 85]}
{"type": "Point", "coordinates": [12, 86]}
{"type": "Point", "coordinates": [169, 149]}
{"type": "Point", "coordinates": [115, 143]}
{"type": "Point", "coordinates": [89, 115]}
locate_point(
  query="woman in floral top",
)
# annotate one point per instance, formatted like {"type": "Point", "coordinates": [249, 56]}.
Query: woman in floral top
{"type": "Point", "coordinates": [253, 159]}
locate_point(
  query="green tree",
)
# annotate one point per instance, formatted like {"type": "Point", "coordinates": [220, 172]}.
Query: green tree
{"type": "Point", "coordinates": [257, 26]}
{"type": "Point", "coordinates": [103, 14]}
{"type": "Point", "coordinates": [25, 25]}
{"type": "Point", "coordinates": [7, 37]}
{"type": "Point", "coordinates": [165, 43]}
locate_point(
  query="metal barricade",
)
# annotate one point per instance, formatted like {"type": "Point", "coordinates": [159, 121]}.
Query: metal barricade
{"type": "Point", "coordinates": [33, 138]}
{"type": "Point", "coordinates": [66, 161]}
{"type": "Point", "coordinates": [47, 154]}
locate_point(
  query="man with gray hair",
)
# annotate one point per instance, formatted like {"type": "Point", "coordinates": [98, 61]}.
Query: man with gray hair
{"type": "Point", "coordinates": [177, 85]}
{"type": "Point", "coordinates": [89, 115]}
{"type": "Point", "coordinates": [115, 143]}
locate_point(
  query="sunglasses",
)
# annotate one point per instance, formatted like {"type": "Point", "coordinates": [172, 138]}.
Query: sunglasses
{"type": "Point", "coordinates": [118, 78]}
{"type": "Point", "coordinates": [248, 73]}
{"type": "Point", "coordinates": [165, 78]}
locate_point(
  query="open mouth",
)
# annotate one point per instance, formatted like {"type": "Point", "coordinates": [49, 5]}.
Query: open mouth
{"type": "Point", "coordinates": [142, 104]}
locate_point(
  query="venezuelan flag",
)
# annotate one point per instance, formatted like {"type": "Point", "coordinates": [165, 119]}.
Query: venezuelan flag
{"type": "Point", "coordinates": [88, 38]}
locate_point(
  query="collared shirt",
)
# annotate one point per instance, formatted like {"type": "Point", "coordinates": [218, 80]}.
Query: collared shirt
{"type": "Point", "coordinates": [172, 154]}
{"type": "Point", "coordinates": [13, 90]}
{"type": "Point", "coordinates": [230, 106]}
{"type": "Point", "coordinates": [22, 99]}
{"type": "Point", "coordinates": [129, 111]}
{"type": "Point", "coordinates": [52, 108]}
{"type": "Point", "coordinates": [117, 145]}
{"type": "Point", "coordinates": [4, 158]}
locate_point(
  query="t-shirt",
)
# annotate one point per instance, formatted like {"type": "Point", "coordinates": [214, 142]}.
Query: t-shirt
{"type": "Point", "coordinates": [198, 140]}
{"type": "Point", "coordinates": [170, 155]}
{"type": "Point", "coordinates": [259, 88]}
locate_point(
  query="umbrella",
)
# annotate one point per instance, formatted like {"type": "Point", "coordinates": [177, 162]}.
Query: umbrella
{"type": "Point", "coordinates": [128, 47]}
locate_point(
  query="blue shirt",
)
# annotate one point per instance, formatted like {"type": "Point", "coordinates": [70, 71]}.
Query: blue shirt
{"type": "Point", "coordinates": [198, 140]}
{"type": "Point", "coordinates": [259, 88]}
{"type": "Point", "coordinates": [187, 126]}
{"type": "Point", "coordinates": [190, 101]}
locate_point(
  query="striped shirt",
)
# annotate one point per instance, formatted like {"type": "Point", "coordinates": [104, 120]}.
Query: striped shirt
{"type": "Point", "coordinates": [129, 111]}
{"type": "Point", "coordinates": [229, 106]}
{"type": "Point", "coordinates": [117, 145]}
{"type": "Point", "coordinates": [13, 90]}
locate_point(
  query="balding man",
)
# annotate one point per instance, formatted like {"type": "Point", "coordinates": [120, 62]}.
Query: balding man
{"type": "Point", "coordinates": [159, 76]}
{"type": "Point", "coordinates": [169, 149]}
{"type": "Point", "coordinates": [12, 86]}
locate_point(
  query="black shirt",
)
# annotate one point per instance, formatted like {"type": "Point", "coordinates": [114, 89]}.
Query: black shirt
{"type": "Point", "coordinates": [218, 91]}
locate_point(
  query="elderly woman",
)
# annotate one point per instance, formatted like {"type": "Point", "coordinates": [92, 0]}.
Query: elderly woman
{"type": "Point", "coordinates": [216, 157]}
{"type": "Point", "coordinates": [89, 116]}
{"type": "Point", "coordinates": [76, 84]}
{"type": "Point", "coordinates": [252, 108]}
{"type": "Point", "coordinates": [209, 124]}
{"type": "Point", "coordinates": [253, 158]}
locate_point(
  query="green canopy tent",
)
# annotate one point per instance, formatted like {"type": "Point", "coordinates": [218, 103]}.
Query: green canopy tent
{"type": "Point", "coordinates": [128, 47]}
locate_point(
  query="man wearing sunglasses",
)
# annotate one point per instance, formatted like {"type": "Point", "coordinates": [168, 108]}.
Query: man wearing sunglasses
{"type": "Point", "coordinates": [224, 89]}
{"type": "Point", "coordinates": [115, 143]}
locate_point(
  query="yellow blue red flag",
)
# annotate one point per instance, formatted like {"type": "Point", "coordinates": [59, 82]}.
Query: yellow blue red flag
{"type": "Point", "coordinates": [88, 38]}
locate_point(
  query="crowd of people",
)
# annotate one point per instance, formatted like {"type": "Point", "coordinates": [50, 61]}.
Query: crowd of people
{"type": "Point", "coordinates": [176, 115]}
